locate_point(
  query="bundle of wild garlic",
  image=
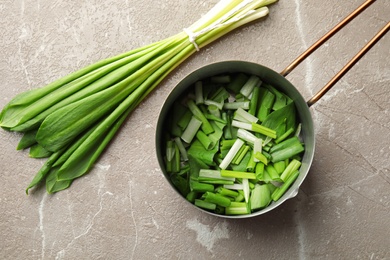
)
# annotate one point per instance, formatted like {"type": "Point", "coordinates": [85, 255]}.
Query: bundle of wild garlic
{"type": "Point", "coordinates": [71, 120]}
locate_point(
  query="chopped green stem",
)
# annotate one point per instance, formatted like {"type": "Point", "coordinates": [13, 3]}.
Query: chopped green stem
{"type": "Point", "coordinates": [273, 173]}
{"type": "Point", "coordinates": [286, 153]}
{"type": "Point", "coordinates": [280, 167]}
{"type": "Point", "coordinates": [237, 83]}
{"type": "Point", "coordinates": [236, 105]}
{"type": "Point", "coordinates": [206, 126]}
{"type": "Point", "coordinates": [226, 192]}
{"type": "Point", "coordinates": [215, 118]}
{"type": "Point", "coordinates": [257, 148]}
{"type": "Point", "coordinates": [246, 189]}
{"type": "Point", "coordinates": [199, 92]}
{"type": "Point", "coordinates": [238, 174]}
{"type": "Point", "coordinates": [191, 196]}
{"type": "Point", "coordinates": [242, 125]}
{"type": "Point", "coordinates": [254, 102]}
{"type": "Point", "coordinates": [263, 130]}
{"type": "Point", "coordinates": [261, 158]}
{"type": "Point", "coordinates": [251, 165]}
{"type": "Point", "coordinates": [209, 102]}
{"type": "Point", "coordinates": [266, 105]}
{"type": "Point", "coordinates": [252, 82]}
{"type": "Point", "coordinates": [220, 95]}
{"type": "Point", "coordinates": [170, 150]}
{"type": "Point", "coordinates": [236, 186]}
{"type": "Point", "coordinates": [227, 133]}
{"type": "Point", "coordinates": [201, 187]}
{"type": "Point", "coordinates": [214, 112]}
{"type": "Point", "coordinates": [240, 155]}
{"type": "Point", "coordinates": [259, 171]}
{"type": "Point", "coordinates": [217, 199]}
{"type": "Point", "coordinates": [281, 190]}
{"type": "Point", "coordinates": [182, 149]}
{"type": "Point", "coordinates": [176, 162]}
{"type": "Point", "coordinates": [231, 154]}
{"type": "Point", "coordinates": [237, 208]}
{"type": "Point", "coordinates": [246, 136]}
{"type": "Point", "coordinates": [285, 144]}
{"type": "Point", "coordinates": [205, 205]}
{"type": "Point", "coordinates": [191, 130]}
{"type": "Point", "coordinates": [227, 144]}
{"type": "Point", "coordinates": [298, 131]}
{"type": "Point", "coordinates": [290, 169]}
{"type": "Point", "coordinates": [216, 174]}
{"type": "Point", "coordinates": [285, 135]}
{"type": "Point", "coordinates": [244, 116]}
{"type": "Point", "coordinates": [184, 119]}
{"type": "Point", "coordinates": [214, 181]}
{"type": "Point", "coordinates": [204, 140]}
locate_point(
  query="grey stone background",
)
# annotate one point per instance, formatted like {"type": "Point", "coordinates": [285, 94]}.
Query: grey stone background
{"type": "Point", "coordinates": [125, 209]}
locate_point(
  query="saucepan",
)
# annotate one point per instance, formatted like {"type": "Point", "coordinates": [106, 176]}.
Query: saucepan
{"type": "Point", "coordinates": [279, 81]}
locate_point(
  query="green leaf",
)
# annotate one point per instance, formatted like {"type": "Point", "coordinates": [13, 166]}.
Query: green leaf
{"type": "Point", "coordinates": [43, 172]}
{"type": "Point", "coordinates": [53, 184]}
{"type": "Point", "coordinates": [27, 140]}
{"type": "Point", "coordinates": [37, 151]}
{"type": "Point", "coordinates": [277, 117]}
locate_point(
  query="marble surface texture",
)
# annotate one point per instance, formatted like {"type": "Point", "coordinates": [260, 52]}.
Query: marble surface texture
{"type": "Point", "coordinates": [125, 209]}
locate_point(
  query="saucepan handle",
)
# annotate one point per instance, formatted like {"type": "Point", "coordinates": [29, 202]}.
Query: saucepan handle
{"type": "Point", "coordinates": [349, 65]}
{"type": "Point", "coordinates": [326, 37]}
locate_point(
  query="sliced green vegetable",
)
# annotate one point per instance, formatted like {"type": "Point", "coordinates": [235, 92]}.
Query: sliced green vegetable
{"type": "Point", "coordinates": [281, 190]}
{"type": "Point", "coordinates": [218, 199]}
{"type": "Point", "coordinates": [204, 140]}
{"type": "Point", "coordinates": [253, 107]}
{"type": "Point", "coordinates": [288, 152]}
{"type": "Point", "coordinates": [180, 183]}
{"type": "Point", "coordinates": [27, 140]}
{"type": "Point", "coordinates": [237, 208]}
{"type": "Point", "coordinates": [200, 187]}
{"type": "Point", "coordinates": [37, 151]}
{"type": "Point", "coordinates": [260, 197]}
{"type": "Point", "coordinates": [252, 82]}
{"type": "Point", "coordinates": [244, 116]}
{"type": "Point", "coordinates": [238, 81]}
{"type": "Point", "coordinates": [290, 169]}
{"type": "Point", "coordinates": [191, 196]}
{"type": "Point", "coordinates": [226, 192]}
{"type": "Point", "coordinates": [237, 174]}
{"type": "Point", "coordinates": [273, 173]}
{"type": "Point", "coordinates": [237, 105]}
{"type": "Point", "coordinates": [266, 105]}
{"type": "Point", "coordinates": [185, 118]}
{"type": "Point", "coordinates": [284, 135]}
{"type": "Point", "coordinates": [231, 154]}
{"type": "Point", "coordinates": [205, 205]}
{"type": "Point", "coordinates": [215, 174]}
{"type": "Point", "coordinates": [199, 93]}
